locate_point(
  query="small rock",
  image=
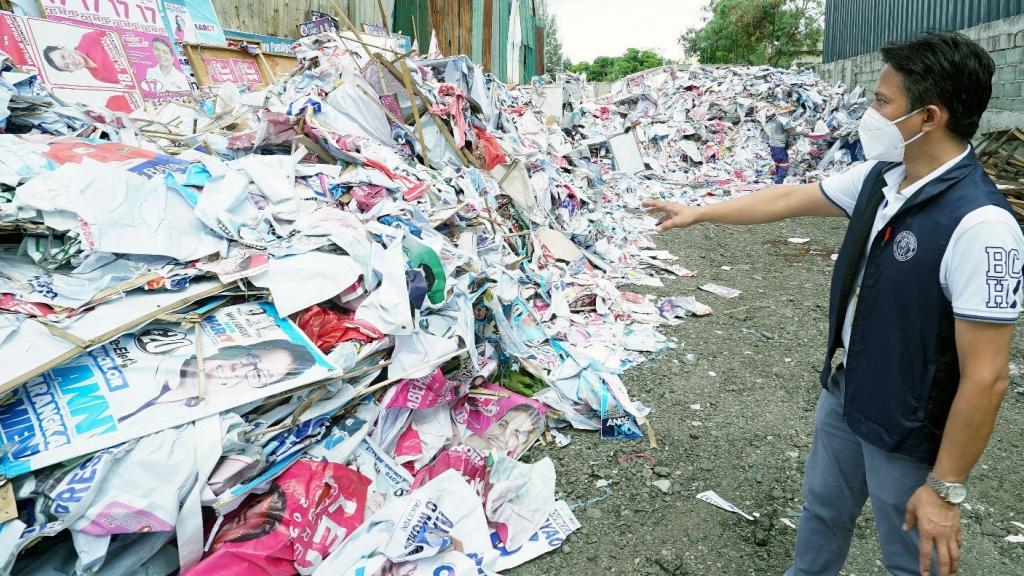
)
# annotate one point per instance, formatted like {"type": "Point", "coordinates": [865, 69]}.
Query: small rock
{"type": "Point", "coordinates": [777, 494]}
{"type": "Point", "coordinates": [760, 537]}
{"type": "Point", "coordinates": [566, 549]}
{"type": "Point", "coordinates": [988, 528]}
{"type": "Point", "coordinates": [592, 513]}
{"type": "Point", "coordinates": [662, 471]}
{"type": "Point", "coordinates": [693, 537]}
{"type": "Point", "coordinates": [663, 485]}
{"type": "Point", "coordinates": [694, 436]}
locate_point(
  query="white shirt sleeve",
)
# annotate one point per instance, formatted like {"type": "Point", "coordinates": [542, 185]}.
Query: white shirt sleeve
{"type": "Point", "coordinates": [843, 188]}
{"type": "Point", "coordinates": [981, 269]}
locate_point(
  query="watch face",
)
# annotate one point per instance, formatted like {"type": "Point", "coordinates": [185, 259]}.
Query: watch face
{"type": "Point", "coordinates": [957, 494]}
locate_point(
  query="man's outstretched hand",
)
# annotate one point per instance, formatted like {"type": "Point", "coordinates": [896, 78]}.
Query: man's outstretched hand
{"type": "Point", "coordinates": [672, 215]}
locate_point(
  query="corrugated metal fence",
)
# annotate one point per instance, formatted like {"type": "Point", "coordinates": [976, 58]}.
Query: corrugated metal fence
{"type": "Point", "coordinates": [477, 28]}
{"type": "Point", "coordinates": [855, 27]}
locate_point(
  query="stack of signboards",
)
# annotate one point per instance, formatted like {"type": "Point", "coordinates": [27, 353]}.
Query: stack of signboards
{"type": "Point", "coordinates": [121, 56]}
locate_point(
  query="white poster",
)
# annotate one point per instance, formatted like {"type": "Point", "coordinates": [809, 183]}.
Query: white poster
{"type": "Point", "coordinates": [153, 378]}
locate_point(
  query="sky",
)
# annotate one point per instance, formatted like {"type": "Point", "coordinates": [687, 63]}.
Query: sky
{"type": "Point", "coordinates": [591, 28]}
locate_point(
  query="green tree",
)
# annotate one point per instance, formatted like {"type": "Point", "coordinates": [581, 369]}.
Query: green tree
{"type": "Point", "coordinates": [610, 69]}
{"type": "Point", "coordinates": [553, 58]}
{"type": "Point", "coordinates": [772, 32]}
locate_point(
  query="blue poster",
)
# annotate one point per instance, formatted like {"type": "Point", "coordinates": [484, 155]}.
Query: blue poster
{"type": "Point", "coordinates": [192, 21]}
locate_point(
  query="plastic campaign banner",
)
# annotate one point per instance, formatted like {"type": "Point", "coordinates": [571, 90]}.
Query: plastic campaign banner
{"type": "Point", "coordinates": [268, 44]}
{"type": "Point", "coordinates": [233, 71]}
{"type": "Point", "coordinates": [307, 512]}
{"type": "Point", "coordinates": [155, 378]}
{"type": "Point", "coordinates": [145, 163]}
{"type": "Point", "coordinates": [153, 61]}
{"type": "Point", "coordinates": [193, 21]}
{"type": "Point", "coordinates": [318, 26]}
{"type": "Point", "coordinates": [99, 73]}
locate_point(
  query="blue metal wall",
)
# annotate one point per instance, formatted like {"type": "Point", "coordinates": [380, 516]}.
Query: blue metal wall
{"type": "Point", "coordinates": [855, 27]}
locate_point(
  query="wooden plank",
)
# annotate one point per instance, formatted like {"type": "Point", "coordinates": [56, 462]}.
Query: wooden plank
{"type": "Point", "coordinates": [438, 17]}
{"type": "Point", "coordinates": [488, 28]}
{"type": "Point", "coordinates": [280, 18]}
{"type": "Point", "coordinates": [540, 71]}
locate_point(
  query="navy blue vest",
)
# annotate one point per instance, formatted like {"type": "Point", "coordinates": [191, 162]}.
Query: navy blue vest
{"type": "Point", "coordinates": [901, 367]}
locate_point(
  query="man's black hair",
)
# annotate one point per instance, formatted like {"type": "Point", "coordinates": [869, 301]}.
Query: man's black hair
{"type": "Point", "coordinates": [947, 69]}
{"type": "Point", "coordinates": [48, 56]}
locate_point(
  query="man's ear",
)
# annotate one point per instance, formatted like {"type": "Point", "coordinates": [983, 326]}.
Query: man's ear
{"type": "Point", "coordinates": [934, 117]}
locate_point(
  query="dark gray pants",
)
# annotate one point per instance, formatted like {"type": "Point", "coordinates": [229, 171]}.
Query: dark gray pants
{"type": "Point", "coordinates": [842, 472]}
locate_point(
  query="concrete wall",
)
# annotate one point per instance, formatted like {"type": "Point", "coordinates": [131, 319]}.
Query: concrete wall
{"type": "Point", "coordinates": [1004, 39]}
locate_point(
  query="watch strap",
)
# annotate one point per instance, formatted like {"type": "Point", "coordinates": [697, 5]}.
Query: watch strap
{"type": "Point", "coordinates": [940, 487]}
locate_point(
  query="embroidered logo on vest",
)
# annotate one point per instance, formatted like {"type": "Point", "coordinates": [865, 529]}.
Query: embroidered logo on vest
{"type": "Point", "coordinates": [905, 246]}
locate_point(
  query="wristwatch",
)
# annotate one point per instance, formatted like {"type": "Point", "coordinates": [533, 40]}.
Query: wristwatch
{"type": "Point", "coordinates": [949, 491]}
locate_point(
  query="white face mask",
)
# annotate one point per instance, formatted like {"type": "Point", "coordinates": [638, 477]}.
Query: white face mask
{"type": "Point", "coordinates": [881, 138]}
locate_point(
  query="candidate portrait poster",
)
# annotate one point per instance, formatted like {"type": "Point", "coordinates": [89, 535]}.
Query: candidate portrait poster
{"type": "Point", "coordinates": [91, 68]}
{"type": "Point", "coordinates": [140, 25]}
{"type": "Point", "coordinates": [154, 378]}
{"type": "Point", "coordinates": [193, 22]}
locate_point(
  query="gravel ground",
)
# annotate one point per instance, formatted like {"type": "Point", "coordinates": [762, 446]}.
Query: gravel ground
{"type": "Point", "coordinates": [755, 379]}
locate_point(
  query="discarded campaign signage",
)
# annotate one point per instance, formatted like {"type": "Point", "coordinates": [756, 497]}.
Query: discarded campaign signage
{"type": "Point", "coordinates": [52, 49]}
{"type": "Point", "coordinates": [318, 26]}
{"type": "Point", "coordinates": [140, 27]}
{"type": "Point", "coordinates": [155, 378]}
{"type": "Point", "coordinates": [193, 21]}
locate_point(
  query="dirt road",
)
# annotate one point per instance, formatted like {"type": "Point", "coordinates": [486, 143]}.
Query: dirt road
{"type": "Point", "coordinates": [755, 379]}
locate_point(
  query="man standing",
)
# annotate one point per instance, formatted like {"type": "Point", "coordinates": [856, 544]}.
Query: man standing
{"type": "Point", "coordinates": [778, 142]}
{"type": "Point", "coordinates": [923, 301]}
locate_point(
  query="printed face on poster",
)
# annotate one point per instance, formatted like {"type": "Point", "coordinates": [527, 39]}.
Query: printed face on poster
{"type": "Point", "coordinates": [141, 29]}
{"type": "Point", "coordinates": [151, 379]}
{"type": "Point", "coordinates": [80, 64]}
{"type": "Point", "coordinates": [180, 23]}
{"type": "Point", "coordinates": [193, 21]}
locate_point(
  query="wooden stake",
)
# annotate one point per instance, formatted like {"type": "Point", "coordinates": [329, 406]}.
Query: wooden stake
{"type": "Point", "coordinates": [415, 104]}
{"type": "Point", "coordinates": [650, 435]}
{"type": "Point", "coordinates": [404, 376]}
{"type": "Point", "coordinates": [384, 16]}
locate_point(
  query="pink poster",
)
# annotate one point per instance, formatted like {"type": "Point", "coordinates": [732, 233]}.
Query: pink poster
{"type": "Point", "coordinates": [233, 71]}
{"type": "Point", "coordinates": [79, 64]}
{"type": "Point", "coordinates": [505, 422]}
{"type": "Point", "coordinates": [138, 23]}
{"type": "Point", "coordinates": [307, 512]}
